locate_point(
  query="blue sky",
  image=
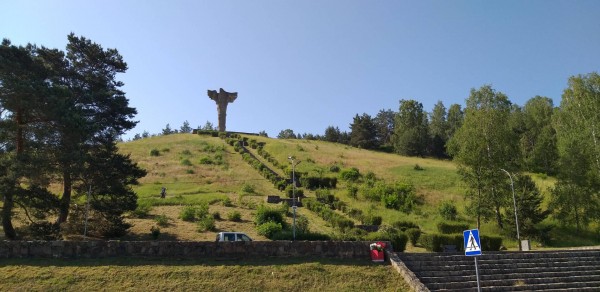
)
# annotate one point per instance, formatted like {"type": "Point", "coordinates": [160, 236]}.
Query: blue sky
{"type": "Point", "coordinates": [306, 65]}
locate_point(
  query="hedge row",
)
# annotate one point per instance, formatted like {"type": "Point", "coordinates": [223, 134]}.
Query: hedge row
{"type": "Point", "coordinates": [450, 228]}
{"type": "Point", "coordinates": [435, 242]}
{"type": "Point", "coordinates": [324, 211]}
{"type": "Point", "coordinates": [313, 182]}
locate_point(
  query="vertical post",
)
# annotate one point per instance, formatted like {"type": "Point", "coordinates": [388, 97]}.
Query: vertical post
{"type": "Point", "coordinates": [477, 274]}
{"type": "Point", "coordinates": [291, 158]}
{"type": "Point", "coordinates": [512, 186]}
{"type": "Point", "coordinates": [87, 208]}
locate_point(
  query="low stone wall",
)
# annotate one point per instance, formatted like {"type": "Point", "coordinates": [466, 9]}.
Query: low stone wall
{"type": "Point", "coordinates": [184, 249]}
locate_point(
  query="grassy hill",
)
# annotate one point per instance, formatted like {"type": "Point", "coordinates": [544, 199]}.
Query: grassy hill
{"type": "Point", "coordinates": [197, 169]}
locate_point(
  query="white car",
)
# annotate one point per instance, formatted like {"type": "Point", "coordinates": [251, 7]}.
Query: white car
{"type": "Point", "coordinates": [233, 236]}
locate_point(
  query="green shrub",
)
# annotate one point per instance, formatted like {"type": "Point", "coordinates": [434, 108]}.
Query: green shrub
{"type": "Point", "coordinates": [371, 219]}
{"type": "Point", "coordinates": [418, 167]}
{"type": "Point", "coordinates": [142, 211]}
{"type": "Point", "coordinates": [205, 160]}
{"type": "Point", "coordinates": [269, 229]}
{"type": "Point", "coordinates": [413, 235]}
{"type": "Point", "coordinates": [192, 213]}
{"type": "Point", "coordinates": [188, 213]}
{"type": "Point", "coordinates": [302, 224]}
{"type": "Point", "coordinates": [248, 188]}
{"type": "Point", "coordinates": [234, 216]}
{"type": "Point", "coordinates": [189, 171]}
{"type": "Point", "coordinates": [491, 243]}
{"type": "Point", "coordinates": [351, 174]}
{"type": "Point", "coordinates": [186, 152]}
{"type": "Point", "coordinates": [448, 211]}
{"type": "Point", "coordinates": [154, 152]}
{"type": "Point", "coordinates": [162, 220]}
{"type": "Point", "coordinates": [226, 202]}
{"type": "Point", "coordinates": [334, 168]}
{"type": "Point", "coordinates": [206, 223]}
{"type": "Point", "coordinates": [186, 162]}
{"type": "Point", "coordinates": [450, 227]}
{"type": "Point", "coordinates": [216, 215]}
{"type": "Point", "coordinates": [405, 225]}
{"type": "Point", "coordinates": [265, 214]}
{"type": "Point", "coordinates": [352, 191]}
{"type": "Point", "coordinates": [435, 242]}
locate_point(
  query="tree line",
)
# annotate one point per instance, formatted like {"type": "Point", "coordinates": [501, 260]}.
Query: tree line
{"type": "Point", "coordinates": [491, 135]}
{"type": "Point", "coordinates": [61, 115]}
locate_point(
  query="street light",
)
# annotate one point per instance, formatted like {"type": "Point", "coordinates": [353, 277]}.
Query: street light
{"type": "Point", "coordinates": [294, 163]}
{"type": "Point", "coordinates": [512, 186]}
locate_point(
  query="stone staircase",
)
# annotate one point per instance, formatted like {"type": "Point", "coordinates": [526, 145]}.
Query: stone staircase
{"type": "Point", "coordinates": [502, 271]}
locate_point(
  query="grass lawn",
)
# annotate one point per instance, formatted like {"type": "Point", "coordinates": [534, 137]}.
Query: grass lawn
{"type": "Point", "coordinates": [198, 275]}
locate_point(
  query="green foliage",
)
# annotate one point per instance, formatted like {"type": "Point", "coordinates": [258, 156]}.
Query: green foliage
{"type": "Point", "coordinates": [206, 223]}
{"type": "Point", "coordinates": [265, 214]}
{"type": "Point", "coordinates": [405, 225]}
{"type": "Point", "coordinates": [450, 227]}
{"type": "Point", "coordinates": [491, 243]}
{"type": "Point", "coordinates": [154, 152]}
{"type": "Point", "coordinates": [269, 229]}
{"type": "Point", "coordinates": [162, 220]}
{"type": "Point", "coordinates": [397, 238]}
{"type": "Point", "coordinates": [350, 174]}
{"type": "Point", "coordinates": [216, 215]}
{"type": "Point", "coordinates": [410, 129]}
{"type": "Point", "coordinates": [334, 168]}
{"type": "Point", "coordinates": [324, 211]}
{"type": "Point", "coordinates": [193, 213]}
{"type": "Point", "coordinates": [312, 182]}
{"type": "Point", "coordinates": [363, 132]}
{"type": "Point", "coordinates": [186, 162]}
{"type": "Point", "coordinates": [417, 167]}
{"type": "Point", "coordinates": [413, 235]}
{"type": "Point", "coordinates": [226, 202]}
{"type": "Point", "coordinates": [142, 211]}
{"type": "Point", "coordinates": [352, 191]}
{"type": "Point", "coordinates": [399, 196]}
{"type": "Point", "coordinates": [435, 242]}
{"type": "Point", "coordinates": [43, 230]}
{"type": "Point", "coordinates": [448, 210]}
{"type": "Point", "coordinates": [302, 225]}
{"type": "Point", "coordinates": [248, 188]}
{"type": "Point", "coordinates": [234, 216]}
{"type": "Point", "coordinates": [206, 160]}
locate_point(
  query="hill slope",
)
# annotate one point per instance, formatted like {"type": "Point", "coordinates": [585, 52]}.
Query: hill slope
{"type": "Point", "coordinates": [197, 169]}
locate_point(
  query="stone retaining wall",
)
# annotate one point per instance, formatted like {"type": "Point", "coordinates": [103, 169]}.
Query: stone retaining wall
{"type": "Point", "coordinates": [184, 249]}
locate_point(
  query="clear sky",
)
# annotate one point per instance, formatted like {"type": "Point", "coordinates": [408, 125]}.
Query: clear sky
{"type": "Point", "coordinates": [306, 65]}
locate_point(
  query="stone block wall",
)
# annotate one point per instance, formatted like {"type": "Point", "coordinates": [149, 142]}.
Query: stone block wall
{"type": "Point", "coordinates": [185, 249]}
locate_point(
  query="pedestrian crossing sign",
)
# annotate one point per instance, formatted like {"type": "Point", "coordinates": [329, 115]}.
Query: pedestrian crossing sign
{"type": "Point", "coordinates": [472, 243]}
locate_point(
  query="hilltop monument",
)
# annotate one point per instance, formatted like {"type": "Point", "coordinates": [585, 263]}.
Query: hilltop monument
{"type": "Point", "coordinates": [222, 99]}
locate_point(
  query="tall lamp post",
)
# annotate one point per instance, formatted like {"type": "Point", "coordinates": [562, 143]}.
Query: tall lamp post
{"type": "Point", "coordinates": [294, 163]}
{"type": "Point", "coordinates": [512, 186]}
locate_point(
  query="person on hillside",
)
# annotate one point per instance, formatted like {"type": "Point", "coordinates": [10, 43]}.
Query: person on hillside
{"type": "Point", "coordinates": [163, 192]}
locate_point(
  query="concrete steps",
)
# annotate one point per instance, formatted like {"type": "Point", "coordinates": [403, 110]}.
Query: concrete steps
{"type": "Point", "coordinates": [507, 271]}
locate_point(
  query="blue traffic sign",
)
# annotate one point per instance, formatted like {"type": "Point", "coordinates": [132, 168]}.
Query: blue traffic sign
{"type": "Point", "coordinates": [472, 243]}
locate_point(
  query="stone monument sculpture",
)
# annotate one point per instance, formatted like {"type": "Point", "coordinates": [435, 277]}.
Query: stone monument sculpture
{"type": "Point", "coordinates": [222, 99]}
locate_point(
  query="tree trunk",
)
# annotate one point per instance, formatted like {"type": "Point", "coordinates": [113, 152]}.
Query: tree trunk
{"type": "Point", "coordinates": [65, 201]}
{"type": "Point", "coordinates": [9, 230]}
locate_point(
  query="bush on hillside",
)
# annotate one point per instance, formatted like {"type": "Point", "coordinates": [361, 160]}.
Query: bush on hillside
{"type": "Point", "coordinates": [448, 210]}
{"type": "Point", "coordinates": [350, 174]}
{"type": "Point", "coordinates": [413, 235]}
{"type": "Point", "coordinates": [450, 227]}
{"type": "Point", "coordinates": [404, 225]}
{"type": "Point", "coordinates": [269, 229]}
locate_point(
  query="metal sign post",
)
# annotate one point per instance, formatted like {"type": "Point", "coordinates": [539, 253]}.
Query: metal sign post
{"type": "Point", "coordinates": [473, 248]}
